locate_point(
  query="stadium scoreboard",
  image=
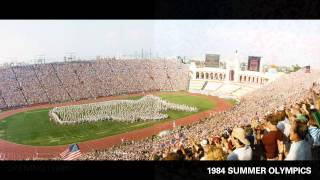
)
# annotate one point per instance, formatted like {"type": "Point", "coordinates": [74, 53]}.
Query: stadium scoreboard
{"type": "Point", "coordinates": [212, 60]}
{"type": "Point", "coordinates": [254, 63]}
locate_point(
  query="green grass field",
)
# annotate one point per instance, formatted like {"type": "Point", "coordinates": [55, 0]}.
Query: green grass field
{"type": "Point", "coordinates": [34, 127]}
{"type": "Point", "coordinates": [232, 102]}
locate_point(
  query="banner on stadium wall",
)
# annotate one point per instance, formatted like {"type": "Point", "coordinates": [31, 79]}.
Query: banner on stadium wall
{"type": "Point", "coordinates": [254, 63]}
{"type": "Point", "coordinates": [212, 60]}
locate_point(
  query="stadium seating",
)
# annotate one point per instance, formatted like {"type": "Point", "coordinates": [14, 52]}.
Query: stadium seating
{"type": "Point", "coordinates": [65, 81]}
{"type": "Point", "coordinates": [285, 93]}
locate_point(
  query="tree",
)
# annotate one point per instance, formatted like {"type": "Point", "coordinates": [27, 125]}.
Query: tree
{"type": "Point", "coordinates": [274, 66]}
{"type": "Point", "coordinates": [295, 68]}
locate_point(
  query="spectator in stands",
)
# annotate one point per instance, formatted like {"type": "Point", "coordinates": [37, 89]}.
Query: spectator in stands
{"type": "Point", "coordinates": [216, 141]}
{"type": "Point", "coordinates": [198, 151]}
{"type": "Point", "coordinates": [314, 132]}
{"type": "Point", "coordinates": [172, 157]}
{"type": "Point", "coordinates": [249, 135]}
{"type": "Point", "coordinates": [301, 146]}
{"type": "Point", "coordinates": [226, 140]}
{"type": "Point", "coordinates": [206, 148]}
{"type": "Point", "coordinates": [216, 154]}
{"type": "Point", "coordinates": [243, 150]}
{"type": "Point", "coordinates": [187, 152]}
{"type": "Point", "coordinates": [285, 127]}
{"type": "Point", "coordinates": [271, 138]}
{"type": "Point", "coordinates": [284, 123]}
{"type": "Point", "coordinates": [257, 150]}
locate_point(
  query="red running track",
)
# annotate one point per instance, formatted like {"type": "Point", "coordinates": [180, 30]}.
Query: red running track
{"type": "Point", "coordinates": [12, 151]}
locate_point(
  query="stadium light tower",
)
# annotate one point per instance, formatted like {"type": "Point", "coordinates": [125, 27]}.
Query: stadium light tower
{"type": "Point", "coordinates": [136, 54]}
{"type": "Point", "coordinates": [236, 69]}
{"type": "Point", "coordinates": [150, 53]}
{"type": "Point", "coordinates": [70, 57]}
{"type": "Point", "coordinates": [142, 53]}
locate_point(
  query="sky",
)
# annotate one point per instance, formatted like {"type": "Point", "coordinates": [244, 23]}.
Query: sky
{"type": "Point", "coordinates": [281, 42]}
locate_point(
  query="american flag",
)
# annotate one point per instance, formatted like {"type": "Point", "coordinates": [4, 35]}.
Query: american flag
{"type": "Point", "coordinates": [71, 153]}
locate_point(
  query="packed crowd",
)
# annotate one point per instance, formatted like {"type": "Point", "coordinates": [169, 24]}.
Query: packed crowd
{"type": "Point", "coordinates": [279, 121]}
{"type": "Point", "coordinates": [10, 90]}
{"type": "Point", "coordinates": [60, 82]}
{"type": "Point", "coordinates": [146, 108]}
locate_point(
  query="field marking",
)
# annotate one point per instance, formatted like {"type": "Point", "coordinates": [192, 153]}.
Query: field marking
{"type": "Point", "coordinates": [2, 133]}
{"type": "Point", "coordinates": [55, 140]}
{"type": "Point", "coordinates": [30, 112]}
{"type": "Point", "coordinates": [100, 132]}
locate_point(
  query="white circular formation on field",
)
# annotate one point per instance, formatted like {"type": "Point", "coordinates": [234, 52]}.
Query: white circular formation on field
{"type": "Point", "coordinates": [147, 108]}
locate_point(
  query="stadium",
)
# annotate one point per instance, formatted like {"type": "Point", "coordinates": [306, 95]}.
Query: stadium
{"type": "Point", "coordinates": [124, 108]}
{"type": "Point", "coordinates": [29, 93]}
